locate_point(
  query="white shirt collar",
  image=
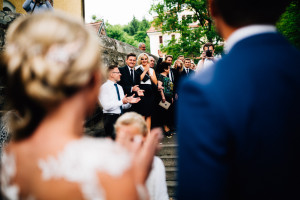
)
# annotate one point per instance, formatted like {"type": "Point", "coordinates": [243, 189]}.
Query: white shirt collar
{"type": "Point", "coordinates": [245, 32]}
{"type": "Point", "coordinates": [130, 68]}
{"type": "Point", "coordinates": [110, 82]}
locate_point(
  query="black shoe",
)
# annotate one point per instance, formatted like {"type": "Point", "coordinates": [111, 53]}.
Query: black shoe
{"type": "Point", "coordinates": [168, 134]}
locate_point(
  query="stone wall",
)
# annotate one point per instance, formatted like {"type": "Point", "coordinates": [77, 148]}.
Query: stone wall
{"type": "Point", "coordinates": [5, 19]}
{"type": "Point", "coordinates": [114, 51]}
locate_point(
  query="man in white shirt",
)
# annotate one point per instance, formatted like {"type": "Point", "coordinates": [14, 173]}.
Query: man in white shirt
{"type": "Point", "coordinates": [113, 100]}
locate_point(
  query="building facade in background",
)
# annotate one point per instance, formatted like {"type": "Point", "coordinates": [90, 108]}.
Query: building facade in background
{"type": "Point", "coordinates": [157, 38]}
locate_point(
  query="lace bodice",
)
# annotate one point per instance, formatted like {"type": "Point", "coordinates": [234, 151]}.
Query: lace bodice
{"type": "Point", "coordinates": [79, 162]}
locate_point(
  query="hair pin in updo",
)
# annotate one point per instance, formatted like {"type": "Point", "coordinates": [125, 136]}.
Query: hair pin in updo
{"type": "Point", "coordinates": [63, 53]}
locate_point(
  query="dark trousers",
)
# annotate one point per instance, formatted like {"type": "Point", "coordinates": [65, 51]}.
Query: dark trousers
{"type": "Point", "coordinates": [108, 121]}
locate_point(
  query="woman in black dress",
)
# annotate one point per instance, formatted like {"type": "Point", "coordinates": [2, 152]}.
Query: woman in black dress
{"type": "Point", "coordinates": [148, 84]}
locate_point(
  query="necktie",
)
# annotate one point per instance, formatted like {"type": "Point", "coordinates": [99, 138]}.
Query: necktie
{"type": "Point", "coordinates": [187, 70]}
{"type": "Point", "coordinates": [131, 74]}
{"type": "Point", "coordinates": [119, 98]}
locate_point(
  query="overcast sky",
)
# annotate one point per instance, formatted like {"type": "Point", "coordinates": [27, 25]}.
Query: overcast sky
{"type": "Point", "coordinates": [117, 11]}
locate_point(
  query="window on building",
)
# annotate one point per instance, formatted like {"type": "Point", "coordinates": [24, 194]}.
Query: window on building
{"type": "Point", "coordinates": [160, 39]}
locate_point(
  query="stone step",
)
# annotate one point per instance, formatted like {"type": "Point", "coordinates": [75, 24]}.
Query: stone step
{"type": "Point", "coordinates": [169, 160]}
{"type": "Point", "coordinates": [171, 173]}
{"type": "Point", "coordinates": [168, 150]}
{"type": "Point", "coordinates": [171, 189]}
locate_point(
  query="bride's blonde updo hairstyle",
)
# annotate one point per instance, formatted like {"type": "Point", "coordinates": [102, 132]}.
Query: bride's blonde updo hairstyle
{"type": "Point", "coordinates": [49, 57]}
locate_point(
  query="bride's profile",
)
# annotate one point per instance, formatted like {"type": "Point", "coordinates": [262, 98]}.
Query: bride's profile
{"type": "Point", "coordinates": [53, 70]}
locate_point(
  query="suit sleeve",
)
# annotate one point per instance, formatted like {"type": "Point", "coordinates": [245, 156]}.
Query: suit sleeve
{"type": "Point", "coordinates": [202, 151]}
{"type": "Point", "coordinates": [156, 68]}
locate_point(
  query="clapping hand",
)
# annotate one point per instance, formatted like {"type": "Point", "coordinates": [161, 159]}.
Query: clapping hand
{"type": "Point", "coordinates": [146, 68]}
{"type": "Point", "coordinates": [135, 88]}
{"type": "Point", "coordinates": [125, 100]}
{"type": "Point", "coordinates": [131, 99]}
{"type": "Point", "coordinates": [140, 93]}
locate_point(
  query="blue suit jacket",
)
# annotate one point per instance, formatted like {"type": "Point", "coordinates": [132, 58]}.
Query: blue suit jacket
{"type": "Point", "coordinates": [239, 124]}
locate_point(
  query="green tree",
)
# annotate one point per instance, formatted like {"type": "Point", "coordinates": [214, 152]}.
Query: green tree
{"type": "Point", "coordinates": [140, 36]}
{"type": "Point", "coordinates": [115, 32]}
{"type": "Point", "coordinates": [133, 26]}
{"type": "Point", "coordinates": [192, 37]}
{"type": "Point", "coordinates": [133, 33]}
{"type": "Point", "coordinates": [289, 23]}
{"type": "Point", "coordinates": [144, 25]}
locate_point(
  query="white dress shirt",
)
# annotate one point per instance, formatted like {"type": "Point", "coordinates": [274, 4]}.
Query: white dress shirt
{"type": "Point", "coordinates": [130, 71]}
{"type": "Point", "coordinates": [186, 69]}
{"type": "Point", "coordinates": [109, 98]}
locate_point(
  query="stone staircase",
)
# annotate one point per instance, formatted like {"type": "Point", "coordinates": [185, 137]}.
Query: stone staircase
{"type": "Point", "coordinates": [169, 158]}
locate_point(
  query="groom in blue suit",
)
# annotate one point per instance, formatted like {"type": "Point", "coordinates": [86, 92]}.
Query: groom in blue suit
{"type": "Point", "coordinates": [239, 121]}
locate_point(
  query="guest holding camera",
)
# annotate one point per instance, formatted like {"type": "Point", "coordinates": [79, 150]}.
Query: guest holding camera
{"type": "Point", "coordinates": [207, 57]}
{"type": "Point", "coordinates": [35, 6]}
{"type": "Point", "coordinates": [166, 114]}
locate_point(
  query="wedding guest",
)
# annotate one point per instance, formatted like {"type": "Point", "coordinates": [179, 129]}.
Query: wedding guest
{"type": "Point", "coordinates": [36, 6]}
{"type": "Point", "coordinates": [239, 120]}
{"type": "Point", "coordinates": [193, 66]}
{"type": "Point", "coordinates": [130, 79]}
{"type": "Point", "coordinates": [113, 100]}
{"type": "Point", "coordinates": [131, 127]}
{"type": "Point", "coordinates": [187, 71]}
{"type": "Point", "coordinates": [178, 68]}
{"type": "Point", "coordinates": [53, 72]}
{"type": "Point", "coordinates": [142, 46]}
{"type": "Point", "coordinates": [207, 57]}
{"type": "Point", "coordinates": [166, 115]}
{"type": "Point", "coordinates": [181, 57]}
{"type": "Point", "coordinates": [178, 65]}
{"type": "Point", "coordinates": [152, 61]}
{"type": "Point", "coordinates": [148, 79]}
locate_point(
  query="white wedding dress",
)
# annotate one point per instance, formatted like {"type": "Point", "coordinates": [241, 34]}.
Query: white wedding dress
{"type": "Point", "coordinates": [79, 162]}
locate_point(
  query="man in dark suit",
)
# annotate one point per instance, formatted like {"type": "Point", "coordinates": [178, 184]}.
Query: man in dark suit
{"type": "Point", "coordinates": [239, 121]}
{"type": "Point", "coordinates": [187, 71]}
{"type": "Point", "coordinates": [130, 79]}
